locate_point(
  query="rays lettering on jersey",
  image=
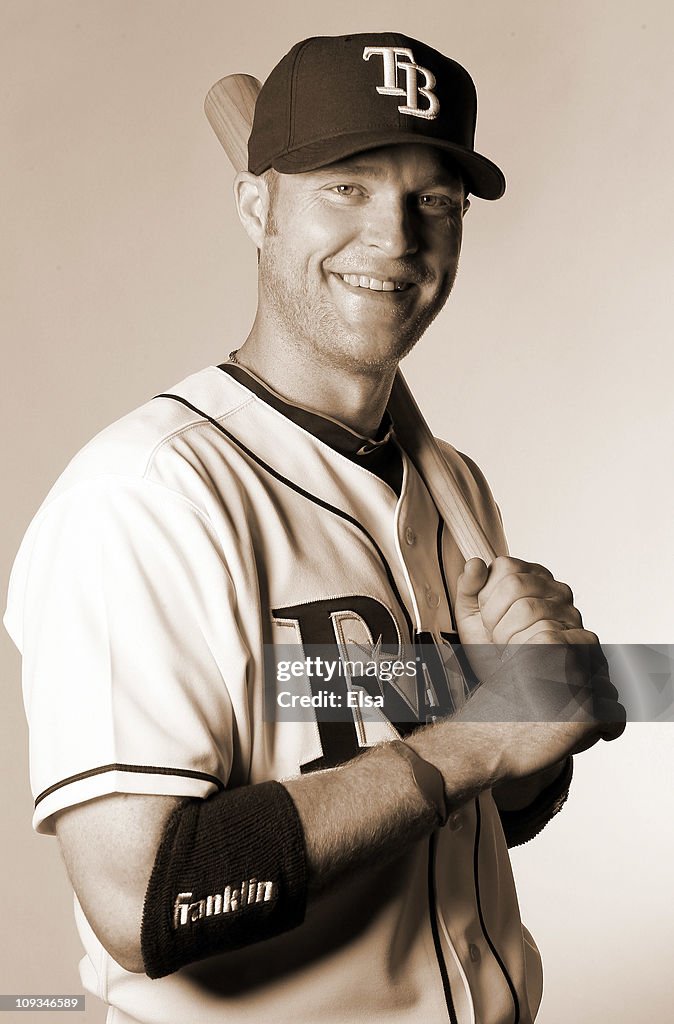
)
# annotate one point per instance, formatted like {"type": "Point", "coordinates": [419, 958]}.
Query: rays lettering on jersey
{"type": "Point", "coordinates": [428, 695]}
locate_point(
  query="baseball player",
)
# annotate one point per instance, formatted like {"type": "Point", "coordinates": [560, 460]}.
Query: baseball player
{"type": "Point", "coordinates": [249, 842]}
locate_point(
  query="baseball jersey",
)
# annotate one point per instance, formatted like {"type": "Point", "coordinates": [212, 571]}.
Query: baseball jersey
{"type": "Point", "coordinates": [175, 551]}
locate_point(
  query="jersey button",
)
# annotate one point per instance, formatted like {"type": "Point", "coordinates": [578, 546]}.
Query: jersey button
{"type": "Point", "coordinates": [455, 822]}
{"type": "Point", "coordinates": [474, 953]}
{"type": "Point", "coordinates": [410, 536]}
{"type": "Point", "coordinates": [432, 599]}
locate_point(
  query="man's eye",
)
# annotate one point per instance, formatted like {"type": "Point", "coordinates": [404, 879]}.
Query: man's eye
{"type": "Point", "coordinates": [348, 191]}
{"type": "Point", "coordinates": [433, 201]}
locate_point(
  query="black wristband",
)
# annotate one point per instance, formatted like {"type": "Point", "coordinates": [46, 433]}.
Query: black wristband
{"type": "Point", "coordinates": [230, 871]}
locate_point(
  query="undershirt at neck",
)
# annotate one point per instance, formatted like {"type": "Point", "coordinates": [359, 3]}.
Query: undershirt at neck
{"type": "Point", "coordinates": [379, 454]}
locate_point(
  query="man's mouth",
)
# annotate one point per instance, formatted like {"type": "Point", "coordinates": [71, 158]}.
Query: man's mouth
{"type": "Point", "coordinates": [375, 284]}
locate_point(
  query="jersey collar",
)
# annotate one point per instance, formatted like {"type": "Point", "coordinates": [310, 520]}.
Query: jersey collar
{"type": "Point", "coordinates": [333, 433]}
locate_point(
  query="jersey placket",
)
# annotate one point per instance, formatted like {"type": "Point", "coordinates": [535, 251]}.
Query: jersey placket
{"type": "Point", "coordinates": [416, 524]}
{"type": "Point", "coordinates": [416, 527]}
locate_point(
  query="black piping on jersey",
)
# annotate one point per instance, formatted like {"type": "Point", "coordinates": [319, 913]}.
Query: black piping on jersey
{"type": "Point", "coordinates": [470, 680]}
{"type": "Point", "coordinates": [183, 773]}
{"type": "Point", "coordinates": [441, 563]}
{"type": "Point", "coordinates": [305, 494]}
{"type": "Point", "coordinates": [451, 1012]}
{"type": "Point", "coordinates": [495, 952]}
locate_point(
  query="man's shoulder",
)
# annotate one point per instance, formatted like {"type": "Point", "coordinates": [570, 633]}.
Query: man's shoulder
{"type": "Point", "coordinates": [160, 453]}
{"type": "Point", "coordinates": [149, 467]}
{"type": "Point", "coordinates": [164, 427]}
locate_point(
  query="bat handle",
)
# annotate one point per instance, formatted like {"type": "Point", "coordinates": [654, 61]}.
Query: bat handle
{"type": "Point", "coordinates": [419, 443]}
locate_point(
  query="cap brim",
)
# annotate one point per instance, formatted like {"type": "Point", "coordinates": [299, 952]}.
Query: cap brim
{"type": "Point", "coordinates": [483, 178]}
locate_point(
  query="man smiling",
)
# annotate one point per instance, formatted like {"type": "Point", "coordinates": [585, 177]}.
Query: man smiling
{"type": "Point", "coordinates": [266, 503]}
{"type": "Point", "coordinates": [362, 257]}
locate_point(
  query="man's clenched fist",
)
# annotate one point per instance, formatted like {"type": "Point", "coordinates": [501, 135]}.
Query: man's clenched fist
{"type": "Point", "coordinates": [511, 602]}
{"type": "Point", "coordinates": [535, 663]}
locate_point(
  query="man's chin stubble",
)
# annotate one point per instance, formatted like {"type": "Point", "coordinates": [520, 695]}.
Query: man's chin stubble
{"type": "Point", "coordinates": [343, 347]}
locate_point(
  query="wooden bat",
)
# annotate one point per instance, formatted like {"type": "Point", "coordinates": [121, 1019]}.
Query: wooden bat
{"type": "Point", "coordinates": [230, 106]}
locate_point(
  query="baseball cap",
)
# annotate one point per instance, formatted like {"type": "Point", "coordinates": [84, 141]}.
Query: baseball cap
{"type": "Point", "coordinates": [333, 96]}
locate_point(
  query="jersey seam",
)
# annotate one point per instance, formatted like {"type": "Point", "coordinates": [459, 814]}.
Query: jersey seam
{"type": "Point", "coordinates": [138, 481]}
{"type": "Point", "coordinates": [188, 427]}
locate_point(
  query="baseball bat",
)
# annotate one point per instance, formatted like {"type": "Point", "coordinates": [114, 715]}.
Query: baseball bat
{"type": "Point", "coordinates": [229, 107]}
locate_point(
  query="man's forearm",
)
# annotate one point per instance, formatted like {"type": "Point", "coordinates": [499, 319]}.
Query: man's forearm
{"type": "Point", "coordinates": [373, 807]}
{"type": "Point", "coordinates": [350, 815]}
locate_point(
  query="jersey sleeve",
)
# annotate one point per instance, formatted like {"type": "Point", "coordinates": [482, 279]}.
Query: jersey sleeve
{"type": "Point", "coordinates": [525, 824]}
{"type": "Point", "coordinates": [122, 606]}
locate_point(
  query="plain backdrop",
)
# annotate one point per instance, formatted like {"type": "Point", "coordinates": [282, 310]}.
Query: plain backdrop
{"type": "Point", "coordinates": [124, 269]}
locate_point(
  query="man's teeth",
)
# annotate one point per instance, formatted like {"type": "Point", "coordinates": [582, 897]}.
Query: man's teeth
{"type": "Point", "coordinates": [373, 283]}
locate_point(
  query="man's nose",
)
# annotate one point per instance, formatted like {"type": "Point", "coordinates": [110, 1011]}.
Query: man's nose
{"type": "Point", "coordinates": [390, 228]}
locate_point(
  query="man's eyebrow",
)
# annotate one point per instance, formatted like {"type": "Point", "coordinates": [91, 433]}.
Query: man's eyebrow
{"type": "Point", "coordinates": [347, 167]}
{"type": "Point", "coordinates": [442, 180]}
{"type": "Point", "coordinates": [437, 178]}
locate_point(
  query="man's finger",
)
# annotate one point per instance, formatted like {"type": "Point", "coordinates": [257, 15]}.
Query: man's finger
{"type": "Point", "coordinates": [469, 585]}
{"type": "Point", "coordinates": [496, 599]}
{"type": "Point", "coordinates": [473, 578]}
{"type": "Point", "coordinates": [557, 626]}
{"type": "Point", "coordinates": [525, 616]}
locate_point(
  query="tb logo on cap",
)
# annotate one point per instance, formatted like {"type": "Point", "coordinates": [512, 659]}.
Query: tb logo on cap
{"type": "Point", "coordinates": [393, 63]}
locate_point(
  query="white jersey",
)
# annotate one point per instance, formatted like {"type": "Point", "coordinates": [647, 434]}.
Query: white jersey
{"type": "Point", "coordinates": [176, 547]}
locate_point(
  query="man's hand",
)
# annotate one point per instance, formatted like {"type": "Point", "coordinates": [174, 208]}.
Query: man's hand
{"type": "Point", "coordinates": [511, 602]}
{"type": "Point", "coordinates": [544, 682]}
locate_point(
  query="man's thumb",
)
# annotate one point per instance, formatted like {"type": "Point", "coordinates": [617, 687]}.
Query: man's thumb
{"type": "Point", "coordinates": [469, 585]}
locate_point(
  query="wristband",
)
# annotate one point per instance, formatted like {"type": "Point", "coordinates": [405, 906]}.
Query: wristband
{"type": "Point", "coordinates": [230, 871]}
{"type": "Point", "coordinates": [427, 779]}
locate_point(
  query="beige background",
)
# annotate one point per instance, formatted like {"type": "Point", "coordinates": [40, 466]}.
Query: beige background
{"type": "Point", "coordinates": [124, 269]}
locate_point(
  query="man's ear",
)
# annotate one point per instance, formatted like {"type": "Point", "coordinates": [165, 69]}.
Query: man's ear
{"type": "Point", "coordinates": [252, 203]}
{"type": "Point", "coordinates": [466, 206]}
